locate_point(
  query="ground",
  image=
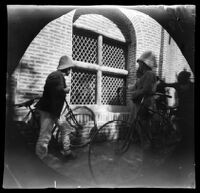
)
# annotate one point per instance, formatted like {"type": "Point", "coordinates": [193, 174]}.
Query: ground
{"type": "Point", "coordinates": [177, 169]}
{"type": "Point", "coordinates": [156, 171]}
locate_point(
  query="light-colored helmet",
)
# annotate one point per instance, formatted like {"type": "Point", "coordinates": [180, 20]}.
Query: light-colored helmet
{"type": "Point", "coordinates": [65, 62]}
{"type": "Point", "coordinates": [148, 58]}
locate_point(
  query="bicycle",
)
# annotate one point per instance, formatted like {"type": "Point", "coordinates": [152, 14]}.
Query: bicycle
{"type": "Point", "coordinates": [109, 158]}
{"type": "Point", "coordinates": [79, 118]}
{"type": "Point", "coordinates": [29, 126]}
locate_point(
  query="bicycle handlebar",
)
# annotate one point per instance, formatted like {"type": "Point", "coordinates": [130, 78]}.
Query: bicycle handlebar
{"type": "Point", "coordinates": [161, 94]}
{"type": "Point", "coordinates": [27, 103]}
{"type": "Point", "coordinates": [156, 93]}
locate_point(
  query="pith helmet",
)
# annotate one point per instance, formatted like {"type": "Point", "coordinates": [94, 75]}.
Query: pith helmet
{"type": "Point", "coordinates": [148, 58]}
{"type": "Point", "coordinates": [65, 62]}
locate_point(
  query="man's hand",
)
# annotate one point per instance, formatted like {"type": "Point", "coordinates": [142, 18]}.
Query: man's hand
{"type": "Point", "coordinates": [161, 84]}
{"type": "Point", "coordinates": [66, 90]}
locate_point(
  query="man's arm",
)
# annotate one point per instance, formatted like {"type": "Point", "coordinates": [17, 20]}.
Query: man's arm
{"type": "Point", "coordinates": [173, 85]}
{"type": "Point", "coordinates": [148, 85]}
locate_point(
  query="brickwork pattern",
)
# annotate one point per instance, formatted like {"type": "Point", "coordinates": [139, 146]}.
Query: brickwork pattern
{"type": "Point", "coordinates": [101, 25]}
{"type": "Point", "coordinates": [173, 63]}
{"type": "Point", "coordinates": [146, 37]}
{"type": "Point", "coordinates": [42, 56]}
{"type": "Point", "coordinates": [55, 39]}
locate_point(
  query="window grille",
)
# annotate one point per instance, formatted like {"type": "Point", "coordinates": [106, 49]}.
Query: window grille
{"type": "Point", "coordinates": [83, 87]}
{"type": "Point", "coordinates": [83, 82]}
{"type": "Point", "coordinates": [113, 54]}
{"type": "Point", "coordinates": [84, 47]}
{"type": "Point", "coordinates": [110, 94]}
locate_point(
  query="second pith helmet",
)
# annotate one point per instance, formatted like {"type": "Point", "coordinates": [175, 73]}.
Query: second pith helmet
{"type": "Point", "coordinates": [148, 58]}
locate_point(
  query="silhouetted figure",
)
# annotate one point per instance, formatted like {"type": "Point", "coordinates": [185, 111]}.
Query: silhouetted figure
{"type": "Point", "coordinates": [185, 94]}
{"type": "Point", "coordinates": [182, 159]}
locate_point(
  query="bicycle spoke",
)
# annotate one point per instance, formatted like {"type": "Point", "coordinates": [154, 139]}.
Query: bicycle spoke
{"type": "Point", "coordinates": [82, 120]}
{"type": "Point", "coordinates": [163, 137]}
{"type": "Point", "coordinates": [107, 162]}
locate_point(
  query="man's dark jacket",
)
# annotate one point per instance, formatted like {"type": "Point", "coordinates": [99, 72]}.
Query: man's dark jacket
{"type": "Point", "coordinates": [53, 97]}
{"type": "Point", "coordinates": [185, 98]}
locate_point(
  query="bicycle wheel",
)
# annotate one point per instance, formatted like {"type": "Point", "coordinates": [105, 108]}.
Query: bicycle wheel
{"type": "Point", "coordinates": [107, 163]}
{"type": "Point", "coordinates": [82, 120]}
{"type": "Point", "coordinates": [171, 134]}
{"type": "Point", "coordinates": [164, 136]}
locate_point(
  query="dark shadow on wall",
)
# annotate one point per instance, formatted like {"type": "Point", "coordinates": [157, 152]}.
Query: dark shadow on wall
{"type": "Point", "coordinates": [31, 78]}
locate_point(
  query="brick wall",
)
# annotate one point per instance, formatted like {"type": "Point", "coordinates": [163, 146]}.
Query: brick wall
{"type": "Point", "coordinates": [173, 63]}
{"type": "Point", "coordinates": [147, 32]}
{"type": "Point", "coordinates": [42, 56]}
{"type": "Point", "coordinates": [55, 40]}
{"type": "Point", "coordinates": [148, 37]}
{"type": "Point", "coordinates": [101, 25]}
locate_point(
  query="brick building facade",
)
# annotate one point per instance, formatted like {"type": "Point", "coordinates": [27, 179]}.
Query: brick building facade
{"type": "Point", "coordinates": [109, 40]}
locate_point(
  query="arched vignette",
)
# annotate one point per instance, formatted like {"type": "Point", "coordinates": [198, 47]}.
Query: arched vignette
{"type": "Point", "coordinates": [25, 23]}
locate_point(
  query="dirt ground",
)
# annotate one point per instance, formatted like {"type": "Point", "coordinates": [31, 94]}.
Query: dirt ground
{"type": "Point", "coordinates": [156, 171]}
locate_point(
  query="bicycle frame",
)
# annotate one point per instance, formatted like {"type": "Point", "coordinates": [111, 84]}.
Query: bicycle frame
{"type": "Point", "coordinates": [71, 119]}
{"type": "Point", "coordinates": [28, 127]}
{"type": "Point", "coordinates": [71, 114]}
{"type": "Point", "coordinates": [137, 121]}
{"type": "Point", "coordinates": [27, 104]}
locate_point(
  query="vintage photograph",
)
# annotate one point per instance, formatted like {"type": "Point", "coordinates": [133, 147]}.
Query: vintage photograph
{"type": "Point", "coordinates": [100, 97]}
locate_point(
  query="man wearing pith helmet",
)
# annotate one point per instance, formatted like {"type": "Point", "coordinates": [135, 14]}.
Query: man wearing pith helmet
{"type": "Point", "coordinates": [145, 86]}
{"type": "Point", "coordinates": [51, 103]}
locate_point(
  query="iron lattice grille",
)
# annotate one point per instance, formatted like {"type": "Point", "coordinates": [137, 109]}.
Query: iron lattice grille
{"type": "Point", "coordinates": [84, 47]}
{"type": "Point", "coordinates": [83, 87]}
{"type": "Point", "coordinates": [110, 94]}
{"type": "Point", "coordinates": [114, 54]}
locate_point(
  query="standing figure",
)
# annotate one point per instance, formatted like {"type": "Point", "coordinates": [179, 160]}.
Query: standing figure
{"type": "Point", "coordinates": [144, 87]}
{"type": "Point", "coordinates": [185, 95]}
{"type": "Point", "coordinates": [50, 106]}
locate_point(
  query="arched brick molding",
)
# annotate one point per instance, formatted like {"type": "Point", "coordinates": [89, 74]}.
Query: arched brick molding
{"type": "Point", "coordinates": [140, 31]}
{"type": "Point", "coordinates": [127, 29]}
{"type": "Point", "coordinates": [147, 31]}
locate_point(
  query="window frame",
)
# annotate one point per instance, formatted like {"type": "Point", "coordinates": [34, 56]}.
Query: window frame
{"type": "Point", "coordinates": [98, 67]}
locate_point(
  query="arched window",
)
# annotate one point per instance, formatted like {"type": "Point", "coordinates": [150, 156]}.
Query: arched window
{"type": "Point", "coordinates": [101, 69]}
